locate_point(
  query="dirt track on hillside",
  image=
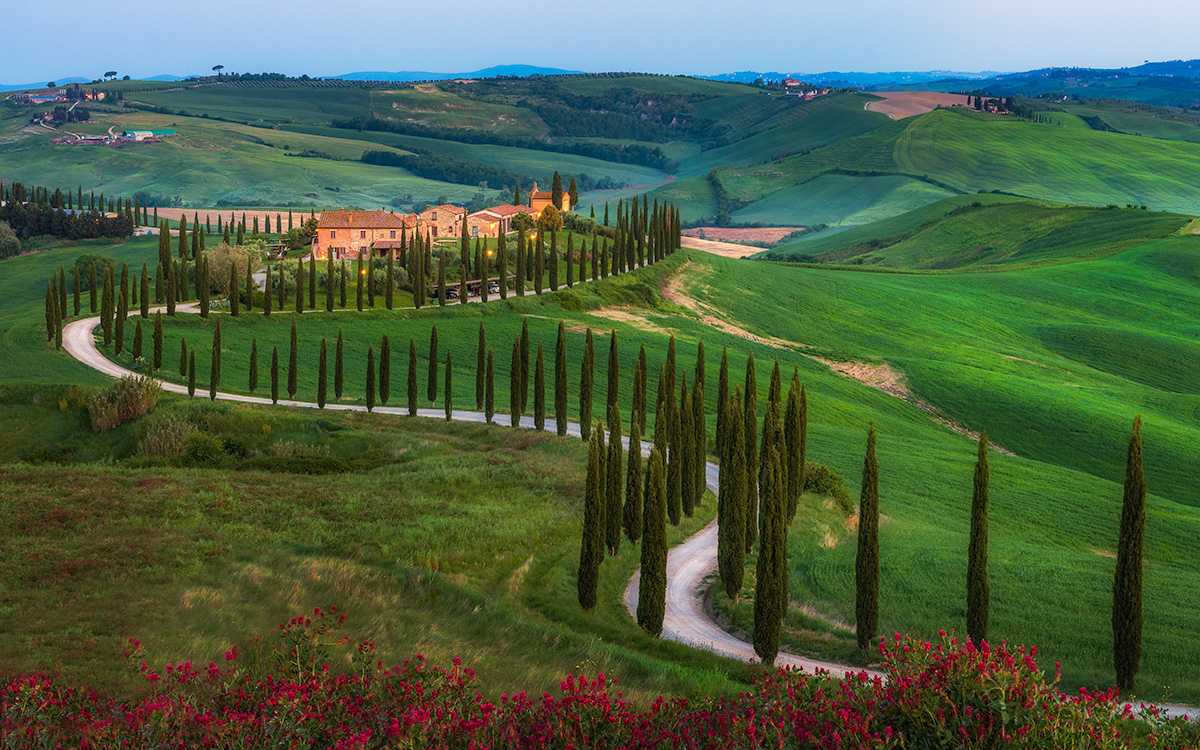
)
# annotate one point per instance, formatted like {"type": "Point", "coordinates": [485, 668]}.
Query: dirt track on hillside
{"type": "Point", "coordinates": [724, 249]}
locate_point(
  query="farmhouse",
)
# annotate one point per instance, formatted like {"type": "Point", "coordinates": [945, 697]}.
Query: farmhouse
{"type": "Point", "coordinates": [441, 221]}
{"type": "Point", "coordinates": [539, 199]}
{"type": "Point", "coordinates": [490, 222]}
{"type": "Point", "coordinates": [346, 233]}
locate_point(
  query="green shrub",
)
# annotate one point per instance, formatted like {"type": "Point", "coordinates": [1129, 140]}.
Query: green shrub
{"type": "Point", "coordinates": [203, 449]}
{"type": "Point", "coordinates": [127, 399]}
{"type": "Point", "coordinates": [821, 480]}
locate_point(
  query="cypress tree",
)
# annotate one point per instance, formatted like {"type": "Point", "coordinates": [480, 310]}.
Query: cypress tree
{"type": "Point", "coordinates": [977, 577]}
{"type": "Point", "coordinates": [699, 444]}
{"type": "Point", "coordinates": [570, 260]}
{"type": "Point", "coordinates": [587, 372]}
{"type": "Point", "coordinates": [652, 590]}
{"type": "Point", "coordinates": [275, 374]}
{"type": "Point", "coordinates": [520, 279]}
{"type": "Point", "coordinates": [389, 291]}
{"type": "Point", "coordinates": [480, 364]}
{"type": "Point", "coordinates": [731, 504]}
{"type": "Point", "coordinates": [670, 384]}
{"type": "Point", "coordinates": [700, 365]}
{"type": "Point", "coordinates": [106, 307]}
{"type": "Point", "coordinates": [441, 292]}
{"type": "Point", "coordinates": [312, 283]}
{"type": "Point", "coordinates": [215, 374]}
{"type": "Point", "coordinates": [1127, 583]}
{"type": "Point", "coordinates": [342, 286]}
{"type": "Point", "coordinates": [687, 458]}
{"type": "Point", "coordinates": [76, 288]}
{"type": "Point", "coordinates": [371, 378]}
{"type": "Point", "coordinates": [591, 548]}
{"type": "Point", "coordinates": [413, 392]}
{"type": "Point", "coordinates": [490, 399]}
{"type": "Point", "coordinates": [795, 441]}
{"type": "Point", "coordinates": [268, 292]}
{"type": "Point", "coordinates": [539, 264]}
{"type": "Point", "coordinates": [556, 191]}
{"type": "Point", "coordinates": [448, 394]}
{"type": "Point", "coordinates": [614, 484]}
{"type": "Point", "coordinates": [158, 341]}
{"type": "Point", "coordinates": [502, 264]}
{"type": "Point", "coordinates": [253, 364]}
{"type": "Point", "coordinates": [674, 464]}
{"type": "Point", "coordinates": [553, 260]}
{"type": "Point", "coordinates": [524, 364]}
{"type": "Point", "coordinates": [250, 286]}
{"type": "Point", "coordinates": [291, 376]}
{"type": "Point", "coordinates": [560, 381]}
{"type": "Point", "coordinates": [119, 323]}
{"type": "Point", "coordinates": [359, 286]}
{"type": "Point", "coordinates": [772, 439]}
{"type": "Point", "coordinates": [338, 367]}
{"type": "Point", "coordinates": [370, 280]}
{"type": "Point", "coordinates": [632, 512]}
{"type": "Point", "coordinates": [137, 340]}
{"type": "Point", "coordinates": [641, 385]}
{"type": "Point", "coordinates": [770, 573]}
{"type": "Point", "coordinates": [282, 298]}
{"type": "Point", "coordinates": [234, 297]}
{"type": "Point", "coordinates": [614, 374]}
{"type": "Point", "coordinates": [661, 417]}
{"type": "Point", "coordinates": [514, 385]}
{"type": "Point", "coordinates": [385, 370]}
{"type": "Point", "coordinates": [866, 564]}
{"type": "Point", "coordinates": [330, 275]}
{"type": "Point", "coordinates": [431, 380]}
{"type": "Point", "coordinates": [192, 374]}
{"type": "Point", "coordinates": [539, 392]}
{"type": "Point", "coordinates": [92, 284]}
{"type": "Point", "coordinates": [159, 285]}
{"type": "Point", "coordinates": [750, 425]}
{"type": "Point", "coordinates": [202, 285]}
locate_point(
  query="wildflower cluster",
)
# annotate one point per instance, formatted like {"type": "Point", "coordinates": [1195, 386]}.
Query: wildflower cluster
{"type": "Point", "coordinates": [949, 695]}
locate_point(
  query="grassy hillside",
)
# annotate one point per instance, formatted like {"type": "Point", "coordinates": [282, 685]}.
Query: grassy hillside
{"type": "Point", "coordinates": [966, 153]}
{"type": "Point", "coordinates": [959, 234]}
{"type": "Point", "coordinates": [192, 554]}
{"type": "Point", "coordinates": [836, 199]}
{"type": "Point", "coordinates": [1055, 506]}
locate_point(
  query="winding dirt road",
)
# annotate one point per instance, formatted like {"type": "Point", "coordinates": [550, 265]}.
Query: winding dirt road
{"type": "Point", "coordinates": [688, 564]}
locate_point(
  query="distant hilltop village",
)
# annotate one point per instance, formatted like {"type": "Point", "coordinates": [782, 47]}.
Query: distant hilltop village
{"type": "Point", "coordinates": [344, 234]}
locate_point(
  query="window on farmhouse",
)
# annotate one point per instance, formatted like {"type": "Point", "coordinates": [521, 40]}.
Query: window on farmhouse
{"type": "Point", "coordinates": [362, 234]}
{"type": "Point", "coordinates": [333, 234]}
{"type": "Point", "coordinates": [393, 234]}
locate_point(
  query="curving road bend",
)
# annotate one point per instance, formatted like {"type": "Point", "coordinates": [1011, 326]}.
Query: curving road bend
{"type": "Point", "coordinates": [688, 564]}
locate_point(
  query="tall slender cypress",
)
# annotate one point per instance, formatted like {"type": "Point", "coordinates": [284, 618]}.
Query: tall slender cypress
{"type": "Point", "coordinates": [1127, 583]}
{"type": "Point", "coordinates": [143, 301]}
{"type": "Point", "coordinates": [447, 391]}
{"type": "Point", "coordinates": [687, 444]}
{"type": "Point", "coordinates": [339, 372]}
{"type": "Point", "coordinates": [977, 576]}
{"type": "Point", "coordinates": [300, 284]}
{"type": "Point", "coordinates": [441, 291]}
{"type": "Point", "coordinates": [413, 391]}
{"type": "Point", "coordinates": [250, 286]}
{"type": "Point", "coordinates": [480, 364]}
{"type": "Point", "coordinates": [361, 276]}
{"type": "Point", "coordinates": [312, 283]}
{"type": "Point", "coordinates": [674, 463]}
{"type": "Point", "coordinates": [183, 353]}
{"type": "Point", "coordinates": [699, 444]}
{"type": "Point", "coordinates": [514, 385]}
{"type": "Point", "coordinates": [795, 440]}
{"type": "Point", "coordinates": [586, 375]}
{"type": "Point", "coordinates": [329, 282]}
{"type": "Point", "coordinates": [158, 341]}
{"type": "Point", "coordinates": [731, 504]}
{"type": "Point", "coordinates": [539, 392]}
{"type": "Point", "coordinates": [641, 377]}
{"type": "Point", "coordinates": [253, 380]}
{"type": "Point", "coordinates": [322, 376]}
{"type": "Point", "coordinates": [371, 377]}
{"type": "Point", "coordinates": [591, 548]}
{"type": "Point", "coordinates": [385, 370]}
{"type": "Point", "coordinates": [214, 372]}
{"type": "Point", "coordinates": [770, 592]}
{"type": "Point", "coordinates": [191, 374]}
{"type": "Point", "coordinates": [560, 381]}
{"type": "Point", "coordinates": [614, 374]}
{"type": "Point", "coordinates": [275, 374]}
{"type": "Point", "coordinates": [234, 297]}
{"type": "Point", "coordinates": [524, 364]}
{"type": "Point", "coordinates": [632, 510]}
{"type": "Point", "coordinates": [866, 564]}
{"type": "Point", "coordinates": [292, 386]}
{"type": "Point", "coordinates": [268, 292]}
{"type": "Point", "coordinates": [431, 380]}
{"type": "Point", "coordinates": [490, 399]}
{"type": "Point", "coordinates": [750, 425]}
{"type": "Point", "coordinates": [370, 280]}
{"type": "Point", "coordinates": [614, 483]}
{"type": "Point", "coordinates": [343, 273]}
{"type": "Point", "coordinates": [652, 590]}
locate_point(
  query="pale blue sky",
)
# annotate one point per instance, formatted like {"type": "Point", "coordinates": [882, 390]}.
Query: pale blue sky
{"type": "Point", "coordinates": [669, 36]}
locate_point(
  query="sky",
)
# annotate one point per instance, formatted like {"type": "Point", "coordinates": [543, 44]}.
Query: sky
{"type": "Point", "coordinates": [701, 37]}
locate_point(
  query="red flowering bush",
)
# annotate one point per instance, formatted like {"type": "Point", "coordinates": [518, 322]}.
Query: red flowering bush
{"type": "Point", "coordinates": [948, 695]}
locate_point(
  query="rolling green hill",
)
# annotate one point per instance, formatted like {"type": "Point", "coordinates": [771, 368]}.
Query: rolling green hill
{"type": "Point", "coordinates": [986, 230]}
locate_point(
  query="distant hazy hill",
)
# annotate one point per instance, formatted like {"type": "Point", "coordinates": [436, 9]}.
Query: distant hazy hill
{"type": "Point", "coordinates": [40, 84]}
{"type": "Point", "coordinates": [424, 75]}
{"type": "Point", "coordinates": [853, 78]}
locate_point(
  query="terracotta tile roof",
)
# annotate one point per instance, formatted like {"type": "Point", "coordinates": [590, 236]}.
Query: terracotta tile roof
{"type": "Point", "coordinates": [445, 207]}
{"type": "Point", "coordinates": [362, 220]}
{"type": "Point", "coordinates": [388, 244]}
{"type": "Point", "coordinates": [507, 209]}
